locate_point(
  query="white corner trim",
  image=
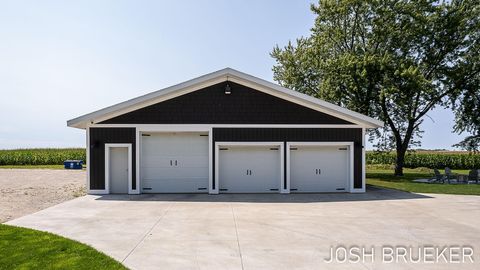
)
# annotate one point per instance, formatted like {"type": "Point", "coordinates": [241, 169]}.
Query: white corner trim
{"type": "Point", "coordinates": [138, 149]}
{"type": "Point", "coordinates": [87, 157]}
{"type": "Point", "coordinates": [220, 76]}
{"type": "Point", "coordinates": [257, 143]}
{"type": "Point", "coordinates": [215, 190]}
{"type": "Point", "coordinates": [350, 146]}
{"type": "Point", "coordinates": [210, 170]}
{"type": "Point", "coordinates": [107, 165]}
{"type": "Point", "coordinates": [364, 165]}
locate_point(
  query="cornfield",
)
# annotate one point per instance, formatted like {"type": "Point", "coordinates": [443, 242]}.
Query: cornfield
{"type": "Point", "coordinates": [56, 156]}
{"type": "Point", "coordinates": [454, 160]}
{"type": "Point", "coordinates": [41, 156]}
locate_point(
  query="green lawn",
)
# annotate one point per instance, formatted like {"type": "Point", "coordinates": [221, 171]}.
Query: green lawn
{"type": "Point", "coordinates": [30, 249]}
{"type": "Point", "coordinates": [383, 177]}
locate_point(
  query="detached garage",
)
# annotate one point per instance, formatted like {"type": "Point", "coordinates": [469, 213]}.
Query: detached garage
{"type": "Point", "coordinates": [225, 132]}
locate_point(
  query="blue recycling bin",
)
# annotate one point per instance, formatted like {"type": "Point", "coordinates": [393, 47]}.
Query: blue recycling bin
{"type": "Point", "coordinates": [73, 164]}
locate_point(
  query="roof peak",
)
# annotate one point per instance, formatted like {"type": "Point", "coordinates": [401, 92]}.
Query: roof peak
{"type": "Point", "coordinates": [216, 77]}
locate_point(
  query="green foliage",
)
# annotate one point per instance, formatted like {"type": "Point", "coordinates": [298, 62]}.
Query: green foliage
{"type": "Point", "coordinates": [471, 143]}
{"type": "Point", "coordinates": [41, 156]}
{"type": "Point", "coordinates": [22, 248]}
{"type": "Point", "coordinates": [392, 60]}
{"type": "Point", "coordinates": [428, 160]}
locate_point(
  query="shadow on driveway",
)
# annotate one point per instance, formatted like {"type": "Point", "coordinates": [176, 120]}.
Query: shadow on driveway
{"type": "Point", "coordinates": [372, 194]}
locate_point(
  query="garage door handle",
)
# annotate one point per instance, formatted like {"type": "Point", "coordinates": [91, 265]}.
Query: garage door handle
{"type": "Point", "coordinates": [175, 162]}
{"type": "Point", "coordinates": [318, 171]}
{"type": "Point", "coordinates": [170, 163]}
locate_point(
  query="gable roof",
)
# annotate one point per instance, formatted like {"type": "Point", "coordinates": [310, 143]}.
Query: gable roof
{"type": "Point", "coordinates": [217, 77]}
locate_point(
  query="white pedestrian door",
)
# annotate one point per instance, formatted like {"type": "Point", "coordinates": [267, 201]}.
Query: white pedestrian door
{"type": "Point", "coordinates": [118, 170]}
{"type": "Point", "coordinates": [249, 169]}
{"type": "Point", "coordinates": [319, 168]}
{"type": "Point", "coordinates": [174, 162]}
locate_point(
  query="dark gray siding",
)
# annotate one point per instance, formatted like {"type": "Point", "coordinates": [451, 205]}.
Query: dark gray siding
{"type": "Point", "coordinates": [297, 134]}
{"type": "Point", "coordinates": [212, 106]}
{"type": "Point", "coordinates": [98, 138]}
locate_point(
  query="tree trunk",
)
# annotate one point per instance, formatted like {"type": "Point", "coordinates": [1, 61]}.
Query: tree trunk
{"type": "Point", "coordinates": [400, 160]}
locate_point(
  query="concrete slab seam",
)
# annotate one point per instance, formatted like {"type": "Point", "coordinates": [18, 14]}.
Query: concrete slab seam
{"type": "Point", "coordinates": [148, 232]}
{"type": "Point", "coordinates": [236, 233]}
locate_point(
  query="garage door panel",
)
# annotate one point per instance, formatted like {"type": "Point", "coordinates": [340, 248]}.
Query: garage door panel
{"type": "Point", "coordinates": [192, 162]}
{"type": "Point", "coordinates": [319, 169]}
{"type": "Point", "coordinates": [167, 144]}
{"type": "Point", "coordinates": [162, 173]}
{"type": "Point", "coordinates": [154, 144]}
{"type": "Point", "coordinates": [157, 161]}
{"type": "Point", "coordinates": [175, 185]}
{"type": "Point", "coordinates": [249, 169]}
{"type": "Point", "coordinates": [174, 162]}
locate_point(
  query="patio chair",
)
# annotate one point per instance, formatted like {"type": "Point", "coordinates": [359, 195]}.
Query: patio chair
{"type": "Point", "coordinates": [437, 178]}
{"type": "Point", "coordinates": [449, 175]}
{"type": "Point", "coordinates": [473, 175]}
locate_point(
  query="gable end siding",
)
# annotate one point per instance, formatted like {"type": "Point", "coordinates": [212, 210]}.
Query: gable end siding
{"type": "Point", "coordinates": [212, 106]}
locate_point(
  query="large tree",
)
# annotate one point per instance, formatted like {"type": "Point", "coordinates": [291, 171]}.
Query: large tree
{"type": "Point", "coordinates": [467, 116]}
{"type": "Point", "coordinates": [389, 59]}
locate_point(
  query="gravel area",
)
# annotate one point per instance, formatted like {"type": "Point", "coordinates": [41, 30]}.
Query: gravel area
{"type": "Point", "coordinates": [25, 191]}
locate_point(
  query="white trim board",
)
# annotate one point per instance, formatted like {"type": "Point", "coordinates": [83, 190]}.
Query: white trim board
{"type": "Point", "coordinates": [350, 145]}
{"type": "Point", "coordinates": [87, 161]}
{"type": "Point", "coordinates": [107, 167]}
{"type": "Point", "coordinates": [206, 127]}
{"type": "Point", "coordinates": [217, 77]}
{"type": "Point", "coordinates": [138, 149]}
{"type": "Point", "coordinates": [226, 144]}
{"type": "Point", "coordinates": [364, 178]}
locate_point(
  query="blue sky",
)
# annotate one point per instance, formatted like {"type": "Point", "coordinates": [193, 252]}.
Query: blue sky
{"type": "Point", "coordinates": [62, 59]}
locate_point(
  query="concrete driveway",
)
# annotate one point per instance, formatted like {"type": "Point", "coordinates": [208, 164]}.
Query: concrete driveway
{"type": "Point", "coordinates": [269, 231]}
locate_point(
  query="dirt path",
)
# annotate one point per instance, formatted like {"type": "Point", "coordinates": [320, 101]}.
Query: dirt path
{"type": "Point", "coordinates": [25, 191]}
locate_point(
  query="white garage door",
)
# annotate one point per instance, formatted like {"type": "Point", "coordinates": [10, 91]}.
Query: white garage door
{"type": "Point", "coordinates": [174, 162]}
{"type": "Point", "coordinates": [319, 168]}
{"type": "Point", "coordinates": [249, 169]}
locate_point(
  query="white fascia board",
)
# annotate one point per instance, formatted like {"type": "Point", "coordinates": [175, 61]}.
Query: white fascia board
{"type": "Point", "coordinates": [142, 101]}
{"type": "Point", "coordinates": [217, 77]}
{"type": "Point", "coordinates": [329, 107]}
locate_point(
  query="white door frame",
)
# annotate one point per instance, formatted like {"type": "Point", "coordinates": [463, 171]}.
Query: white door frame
{"type": "Point", "coordinates": [257, 143]}
{"type": "Point", "coordinates": [107, 165]}
{"type": "Point", "coordinates": [169, 129]}
{"type": "Point", "coordinates": [350, 161]}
